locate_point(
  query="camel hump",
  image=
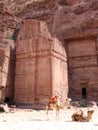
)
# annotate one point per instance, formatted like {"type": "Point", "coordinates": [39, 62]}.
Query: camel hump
{"type": "Point", "coordinates": [90, 111]}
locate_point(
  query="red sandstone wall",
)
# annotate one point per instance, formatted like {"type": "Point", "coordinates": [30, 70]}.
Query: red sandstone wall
{"type": "Point", "coordinates": [40, 65]}
{"type": "Point", "coordinates": [6, 80]}
{"type": "Point", "coordinates": [83, 68]}
{"type": "Point", "coordinates": [59, 70]}
{"type": "Point", "coordinates": [33, 72]}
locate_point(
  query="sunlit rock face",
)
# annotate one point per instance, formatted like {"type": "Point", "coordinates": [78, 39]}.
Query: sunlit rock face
{"type": "Point", "coordinates": [41, 67]}
{"type": "Point", "coordinates": [76, 21]}
{"type": "Point", "coordinates": [71, 2]}
{"type": "Point", "coordinates": [8, 24]}
{"type": "Point", "coordinates": [72, 22]}
{"type": "Point", "coordinates": [77, 24]}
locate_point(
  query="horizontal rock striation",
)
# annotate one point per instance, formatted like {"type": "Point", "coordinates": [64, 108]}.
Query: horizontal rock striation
{"type": "Point", "coordinates": [77, 21]}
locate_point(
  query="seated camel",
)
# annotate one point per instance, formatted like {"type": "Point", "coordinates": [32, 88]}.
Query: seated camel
{"type": "Point", "coordinates": [79, 116]}
{"type": "Point", "coordinates": [54, 103]}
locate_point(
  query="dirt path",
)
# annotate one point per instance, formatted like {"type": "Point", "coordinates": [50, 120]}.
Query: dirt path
{"type": "Point", "coordinates": [24, 119]}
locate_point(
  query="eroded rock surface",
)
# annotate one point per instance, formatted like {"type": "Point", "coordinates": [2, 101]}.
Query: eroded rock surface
{"type": "Point", "coordinates": [66, 20]}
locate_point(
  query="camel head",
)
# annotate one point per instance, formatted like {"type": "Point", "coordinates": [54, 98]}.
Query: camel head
{"type": "Point", "coordinates": [68, 99]}
{"type": "Point", "coordinates": [89, 114]}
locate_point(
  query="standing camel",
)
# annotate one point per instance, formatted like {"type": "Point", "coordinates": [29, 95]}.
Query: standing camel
{"type": "Point", "coordinates": [54, 103]}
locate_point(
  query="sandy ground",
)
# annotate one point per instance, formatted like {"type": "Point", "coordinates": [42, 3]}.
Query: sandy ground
{"type": "Point", "coordinates": [30, 119]}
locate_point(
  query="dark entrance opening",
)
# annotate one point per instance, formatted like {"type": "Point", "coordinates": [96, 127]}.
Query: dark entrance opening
{"type": "Point", "coordinates": [84, 93]}
{"type": "Point", "coordinates": [7, 100]}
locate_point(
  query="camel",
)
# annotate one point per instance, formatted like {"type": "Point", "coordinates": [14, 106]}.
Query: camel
{"type": "Point", "coordinates": [53, 103]}
{"type": "Point", "coordinates": [79, 116]}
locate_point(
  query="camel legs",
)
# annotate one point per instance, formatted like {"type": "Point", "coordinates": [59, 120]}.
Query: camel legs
{"type": "Point", "coordinates": [57, 112]}
{"type": "Point", "coordinates": [56, 109]}
{"type": "Point", "coordinates": [47, 110]}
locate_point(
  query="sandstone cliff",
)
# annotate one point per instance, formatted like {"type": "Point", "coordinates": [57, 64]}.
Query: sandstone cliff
{"type": "Point", "coordinates": [64, 17]}
{"type": "Point", "coordinates": [66, 20]}
{"type": "Point", "coordinates": [76, 21]}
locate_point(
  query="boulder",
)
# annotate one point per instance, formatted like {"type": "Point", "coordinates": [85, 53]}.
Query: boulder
{"type": "Point", "coordinates": [4, 108]}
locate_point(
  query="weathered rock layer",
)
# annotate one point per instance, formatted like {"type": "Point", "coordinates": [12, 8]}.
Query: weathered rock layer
{"type": "Point", "coordinates": [73, 22]}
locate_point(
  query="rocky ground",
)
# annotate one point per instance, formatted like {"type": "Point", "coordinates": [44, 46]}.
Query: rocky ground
{"type": "Point", "coordinates": [23, 119]}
